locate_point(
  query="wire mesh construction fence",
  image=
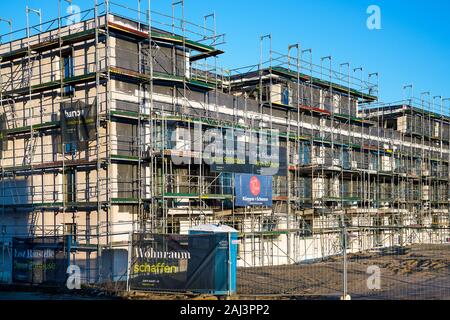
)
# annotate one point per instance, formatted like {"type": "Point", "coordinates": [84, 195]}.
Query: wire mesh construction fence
{"type": "Point", "coordinates": [411, 272]}
{"type": "Point", "coordinates": [416, 267]}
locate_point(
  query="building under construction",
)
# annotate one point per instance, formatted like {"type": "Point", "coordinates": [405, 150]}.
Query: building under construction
{"type": "Point", "coordinates": [96, 116]}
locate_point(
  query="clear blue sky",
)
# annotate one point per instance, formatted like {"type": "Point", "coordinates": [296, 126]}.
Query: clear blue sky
{"type": "Point", "coordinates": [412, 47]}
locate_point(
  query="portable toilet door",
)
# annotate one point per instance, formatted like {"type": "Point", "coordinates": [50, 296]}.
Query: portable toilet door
{"type": "Point", "coordinates": [232, 252]}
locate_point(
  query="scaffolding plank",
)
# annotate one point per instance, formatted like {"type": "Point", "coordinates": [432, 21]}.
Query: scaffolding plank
{"type": "Point", "coordinates": [326, 84]}
{"type": "Point", "coordinates": [52, 85]}
{"type": "Point", "coordinates": [160, 77]}
{"type": "Point", "coordinates": [37, 127]}
{"type": "Point", "coordinates": [206, 55]}
{"type": "Point", "coordinates": [48, 45]}
{"type": "Point", "coordinates": [167, 38]}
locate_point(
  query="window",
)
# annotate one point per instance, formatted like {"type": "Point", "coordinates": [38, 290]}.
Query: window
{"type": "Point", "coordinates": [306, 188]}
{"type": "Point", "coordinates": [395, 220]}
{"type": "Point", "coordinates": [226, 183]}
{"type": "Point", "coordinates": [391, 124]}
{"type": "Point", "coordinates": [307, 155]}
{"type": "Point", "coordinates": [345, 159]}
{"type": "Point", "coordinates": [346, 189]}
{"type": "Point", "coordinates": [70, 229]}
{"type": "Point", "coordinates": [345, 241]}
{"type": "Point", "coordinates": [435, 221]}
{"type": "Point", "coordinates": [128, 209]}
{"type": "Point", "coordinates": [126, 54]}
{"type": "Point", "coordinates": [434, 168]}
{"type": "Point", "coordinates": [317, 152]}
{"type": "Point", "coordinates": [285, 97]}
{"type": "Point", "coordinates": [128, 88]}
{"type": "Point", "coordinates": [269, 224]}
{"type": "Point", "coordinates": [304, 154]}
{"type": "Point", "coordinates": [71, 148]}
{"type": "Point", "coordinates": [127, 144]}
{"type": "Point", "coordinates": [306, 226]}
{"type": "Point", "coordinates": [69, 72]}
{"type": "Point", "coordinates": [70, 186]}
{"type": "Point", "coordinates": [127, 181]}
{"type": "Point", "coordinates": [173, 227]}
{"type": "Point", "coordinates": [374, 161]}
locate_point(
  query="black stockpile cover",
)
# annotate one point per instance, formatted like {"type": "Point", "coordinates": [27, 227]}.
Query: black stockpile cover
{"type": "Point", "coordinates": [39, 261]}
{"type": "Point", "coordinates": [78, 121]}
{"type": "Point", "coordinates": [179, 262]}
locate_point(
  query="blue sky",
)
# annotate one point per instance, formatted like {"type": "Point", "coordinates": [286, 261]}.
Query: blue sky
{"type": "Point", "coordinates": [412, 47]}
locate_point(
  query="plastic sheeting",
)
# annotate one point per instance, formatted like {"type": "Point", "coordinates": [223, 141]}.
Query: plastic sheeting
{"type": "Point", "coordinates": [78, 122]}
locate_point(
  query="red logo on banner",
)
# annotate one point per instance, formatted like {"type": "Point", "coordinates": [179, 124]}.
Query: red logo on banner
{"type": "Point", "coordinates": [255, 186]}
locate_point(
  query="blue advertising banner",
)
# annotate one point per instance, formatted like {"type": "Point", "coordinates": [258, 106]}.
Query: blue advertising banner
{"type": "Point", "coordinates": [253, 190]}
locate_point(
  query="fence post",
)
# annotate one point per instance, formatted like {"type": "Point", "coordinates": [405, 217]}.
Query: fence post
{"type": "Point", "coordinates": [229, 264]}
{"type": "Point", "coordinates": [69, 249]}
{"type": "Point", "coordinates": [345, 296]}
{"type": "Point", "coordinates": [130, 247]}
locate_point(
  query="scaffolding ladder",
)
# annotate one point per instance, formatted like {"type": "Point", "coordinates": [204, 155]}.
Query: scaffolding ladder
{"type": "Point", "coordinates": [30, 148]}
{"type": "Point", "coordinates": [27, 69]}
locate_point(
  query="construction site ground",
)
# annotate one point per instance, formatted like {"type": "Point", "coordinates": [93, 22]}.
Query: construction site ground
{"type": "Point", "coordinates": [414, 272]}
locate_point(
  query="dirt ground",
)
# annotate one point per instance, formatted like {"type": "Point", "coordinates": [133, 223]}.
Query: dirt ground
{"type": "Point", "coordinates": [416, 272]}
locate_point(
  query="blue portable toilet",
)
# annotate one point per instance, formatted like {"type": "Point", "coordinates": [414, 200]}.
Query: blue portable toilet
{"type": "Point", "coordinates": [213, 267]}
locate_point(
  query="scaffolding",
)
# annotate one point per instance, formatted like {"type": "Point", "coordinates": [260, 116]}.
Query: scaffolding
{"type": "Point", "coordinates": [59, 181]}
{"type": "Point", "coordinates": [358, 172]}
